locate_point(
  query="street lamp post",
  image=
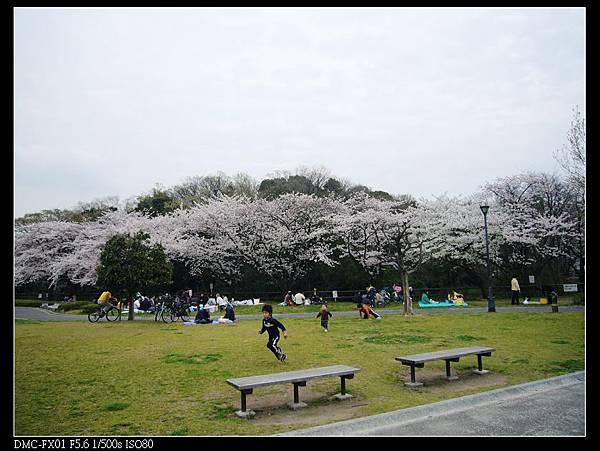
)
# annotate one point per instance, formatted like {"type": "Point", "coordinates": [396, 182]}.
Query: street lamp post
{"type": "Point", "coordinates": [491, 300]}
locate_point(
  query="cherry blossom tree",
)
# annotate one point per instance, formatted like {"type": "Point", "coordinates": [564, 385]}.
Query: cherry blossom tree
{"type": "Point", "coordinates": [285, 238]}
{"type": "Point", "coordinates": [519, 236]}
{"type": "Point", "coordinates": [380, 234]}
{"type": "Point", "coordinates": [211, 239]}
{"type": "Point", "coordinates": [54, 250]}
{"type": "Point", "coordinates": [294, 233]}
{"type": "Point", "coordinates": [541, 207]}
{"type": "Point", "coordinates": [280, 238]}
{"type": "Point", "coordinates": [39, 249]}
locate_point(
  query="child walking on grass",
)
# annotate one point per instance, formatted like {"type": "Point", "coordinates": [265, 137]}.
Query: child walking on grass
{"type": "Point", "coordinates": [272, 326]}
{"type": "Point", "coordinates": [324, 314]}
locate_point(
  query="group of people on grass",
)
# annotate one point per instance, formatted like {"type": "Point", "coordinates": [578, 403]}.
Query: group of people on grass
{"type": "Point", "coordinates": [383, 296]}
{"type": "Point", "coordinates": [203, 314]}
{"type": "Point", "coordinates": [366, 302]}
{"type": "Point", "coordinates": [292, 300]}
{"type": "Point", "coordinates": [106, 300]}
{"type": "Point", "coordinates": [453, 298]}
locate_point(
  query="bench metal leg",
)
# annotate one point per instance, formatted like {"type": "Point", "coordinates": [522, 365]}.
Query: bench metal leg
{"type": "Point", "coordinates": [449, 375]}
{"type": "Point", "coordinates": [480, 369]}
{"type": "Point", "coordinates": [413, 380]}
{"type": "Point", "coordinates": [343, 394]}
{"type": "Point", "coordinates": [243, 413]}
{"type": "Point", "coordinates": [297, 404]}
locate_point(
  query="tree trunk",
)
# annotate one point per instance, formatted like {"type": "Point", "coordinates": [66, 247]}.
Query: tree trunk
{"type": "Point", "coordinates": [407, 309]}
{"type": "Point", "coordinates": [130, 303]}
{"type": "Point", "coordinates": [484, 290]}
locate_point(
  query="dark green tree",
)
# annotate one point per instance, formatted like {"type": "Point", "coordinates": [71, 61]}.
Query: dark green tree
{"type": "Point", "coordinates": [129, 264]}
{"type": "Point", "coordinates": [333, 186]}
{"type": "Point", "coordinates": [272, 188]}
{"type": "Point", "coordinates": [158, 203]}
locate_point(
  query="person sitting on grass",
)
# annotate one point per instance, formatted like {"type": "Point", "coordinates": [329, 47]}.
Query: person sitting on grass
{"type": "Point", "coordinates": [397, 292]}
{"type": "Point", "coordinates": [299, 298]}
{"type": "Point", "coordinates": [426, 300]}
{"type": "Point", "coordinates": [272, 326]}
{"type": "Point", "coordinates": [289, 299]}
{"type": "Point", "coordinates": [456, 298]}
{"type": "Point", "coordinates": [221, 302]}
{"type": "Point", "coordinates": [315, 300]}
{"type": "Point", "coordinates": [229, 313]}
{"type": "Point", "coordinates": [203, 315]}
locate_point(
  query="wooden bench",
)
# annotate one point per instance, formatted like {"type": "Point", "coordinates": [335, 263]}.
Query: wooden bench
{"type": "Point", "coordinates": [451, 355]}
{"type": "Point", "coordinates": [298, 378]}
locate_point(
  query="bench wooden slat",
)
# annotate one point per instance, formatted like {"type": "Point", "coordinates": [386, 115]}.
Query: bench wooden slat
{"type": "Point", "coordinates": [449, 355]}
{"type": "Point", "coordinates": [441, 355]}
{"type": "Point", "coordinates": [291, 376]}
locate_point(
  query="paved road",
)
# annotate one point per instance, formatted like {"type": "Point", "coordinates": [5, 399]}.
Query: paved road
{"type": "Point", "coordinates": [45, 315]}
{"type": "Point", "coordinates": [551, 407]}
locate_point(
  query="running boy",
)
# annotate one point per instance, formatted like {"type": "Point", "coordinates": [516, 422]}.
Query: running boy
{"type": "Point", "coordinates": [272, 326]}
{"type": "Point", "coordinates": [324, 314]}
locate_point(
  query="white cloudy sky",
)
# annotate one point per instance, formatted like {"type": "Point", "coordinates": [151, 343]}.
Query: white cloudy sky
{"type": "Point", "coordinates": [109, 102]}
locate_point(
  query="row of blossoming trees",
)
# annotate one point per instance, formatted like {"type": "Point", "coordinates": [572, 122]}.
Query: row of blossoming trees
{"type": "Point", "coordinates": [284, 238]}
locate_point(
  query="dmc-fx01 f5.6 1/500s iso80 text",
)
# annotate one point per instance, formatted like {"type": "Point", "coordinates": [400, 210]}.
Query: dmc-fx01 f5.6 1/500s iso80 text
{"type": "Point", "coordinates": [83, 443]}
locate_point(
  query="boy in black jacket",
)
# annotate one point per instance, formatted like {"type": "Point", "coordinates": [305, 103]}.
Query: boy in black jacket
{"type": "Point", "coordinates": [272, 326]}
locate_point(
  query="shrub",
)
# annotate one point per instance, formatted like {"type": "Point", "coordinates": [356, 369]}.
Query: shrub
{"type": "Point", "coordinates": [579, 299]}
{"type": "Point", "coordinates": [89, 308]}
{"type": "Point", "coordinates": [28, 303]}
{"type": "Point", "coordinates": [77, 305]}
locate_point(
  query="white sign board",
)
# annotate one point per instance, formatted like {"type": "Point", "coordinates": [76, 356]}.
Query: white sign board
{"type": "Point", "coordinates": [334, 294]}
{"type": "Point", "coordinates": [570, 287]}
{"type": "Point", "coordinates": [531, 279]}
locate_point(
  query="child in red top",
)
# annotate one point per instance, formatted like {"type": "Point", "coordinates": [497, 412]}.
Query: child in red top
{"type": "Point", "coordinates": [366, 312]}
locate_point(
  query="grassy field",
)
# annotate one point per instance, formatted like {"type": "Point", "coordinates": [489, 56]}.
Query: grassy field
{"type": "Point", "coordinates": [147, 378]}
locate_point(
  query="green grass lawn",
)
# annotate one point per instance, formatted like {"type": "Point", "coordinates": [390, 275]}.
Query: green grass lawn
{"type": "Point", "coordinates": [147, 378]}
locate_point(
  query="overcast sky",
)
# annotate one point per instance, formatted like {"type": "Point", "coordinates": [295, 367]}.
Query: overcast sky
{"type": "Point", "coordinates": [110, 102]}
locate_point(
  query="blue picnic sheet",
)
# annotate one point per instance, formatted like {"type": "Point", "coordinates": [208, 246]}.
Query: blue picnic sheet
{"type": "Point", "coordinates": [192, 323]}
{"type": "Point", "coordinates": [441, 304]}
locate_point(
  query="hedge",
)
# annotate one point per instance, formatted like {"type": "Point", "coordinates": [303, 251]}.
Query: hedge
{"type": "Point", "coordinates": [27, 303]}
{"type": "Point", "coordinates": [77, 305]}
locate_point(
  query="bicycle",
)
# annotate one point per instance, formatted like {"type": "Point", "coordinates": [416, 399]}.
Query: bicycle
{"type": "Point", "coordinates": [383, 299]}
{"type": "Point", "coordinates": [112, 314]}
{"type": "Point", "coordinates": [180, 309]}
{"type": "Point", "coordinates": [163, 308]}
{"type": "Point", "coordinates": [157, 309]}
{"type": "Point", "coordinates": [317, 300]}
